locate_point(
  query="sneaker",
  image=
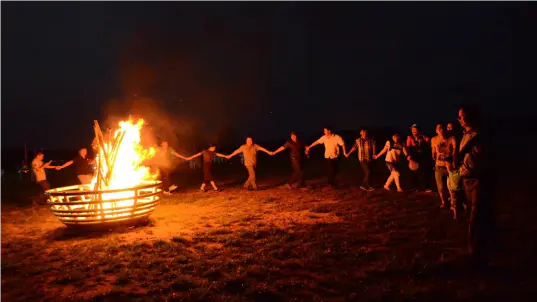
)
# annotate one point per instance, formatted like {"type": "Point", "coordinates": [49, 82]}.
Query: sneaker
{"type": "Point", "coordinates": [288, 186]}
{"type": "Point", "coordinates": [386, 188]}
{"type": "Point", "coordinates": [172, 187]}
{"type": "Point", "coordinates": [370, 189]}
{"type": "Point", "coordinates": [428, 191]}
{"type": "Point", "coordinates": [400, 190]}
{"type": "Point", "coordinates": [166, 192]}
{"type": "Point", "coordinates": [218, 190]}
{"type": "Point", "coordinates": [363, 188]}
{"type": "Point", "coordinates": [202, 190]}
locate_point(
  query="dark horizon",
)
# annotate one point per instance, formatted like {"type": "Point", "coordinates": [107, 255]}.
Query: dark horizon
{"type": "Point", "coordinates": [262, 69]}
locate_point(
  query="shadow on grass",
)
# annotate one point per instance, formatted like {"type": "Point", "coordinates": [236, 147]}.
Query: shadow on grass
{"type": "Point", "coordinates": [88, 232]}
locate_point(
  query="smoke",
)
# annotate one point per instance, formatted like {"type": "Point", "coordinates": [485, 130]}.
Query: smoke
{"type": "Point", "coordinates": [179, 131]}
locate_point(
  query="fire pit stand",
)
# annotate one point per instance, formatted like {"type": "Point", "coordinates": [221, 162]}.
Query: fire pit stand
{"type": "Point", "coordinates": [78, 205]}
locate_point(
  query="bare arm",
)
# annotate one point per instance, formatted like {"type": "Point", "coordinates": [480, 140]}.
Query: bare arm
{"type": "Point", "coordinates": [67, 164]}
{"type": "Point", "coordinates": [264, 150]}
{"type": "Point", "coordinates": [220, 155]}
{"type": "Point", "coordinates": [278, 150]}
{"type": "Point", "coordinates": [314, 144]}
{"type": "Point", "coordinates": [352, 150]}
{"type": "Point", "coordinates": [178, 155]}
{"type": "Point", "coordinates": [433, 150]}
{"type": "Point", "coordinates": [374, 147]}
{"type": "Point", "coordinates": [384, 150]}
{"type": "Point", "coordinates": [234, 153]}
{"type": "Point", "coordinates": [193, 156]}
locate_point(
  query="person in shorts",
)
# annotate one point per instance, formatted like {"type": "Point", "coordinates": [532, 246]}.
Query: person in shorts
{"type": "Point", "coordinates": [393, 150]}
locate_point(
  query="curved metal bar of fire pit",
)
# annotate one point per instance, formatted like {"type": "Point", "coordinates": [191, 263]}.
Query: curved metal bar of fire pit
{"type": "Point", "coordinates": [79, 206]}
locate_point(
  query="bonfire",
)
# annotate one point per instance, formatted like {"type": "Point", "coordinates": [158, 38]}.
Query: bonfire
{"type": "Point", "coordinates": [123, 189]}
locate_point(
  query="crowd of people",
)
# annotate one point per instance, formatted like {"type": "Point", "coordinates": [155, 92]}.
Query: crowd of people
{"type": "Point", "coordinates": [458, 166]}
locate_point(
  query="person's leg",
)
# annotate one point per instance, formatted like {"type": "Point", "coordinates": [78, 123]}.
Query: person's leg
{"type": "Point", "coordinates": [440, 175]}
{"type": "Point", "coordinates": [202, 188]}
{"type": "Point", "coordinates": [214, 185]}
{"type": "Point", "coordinates": [330, 171]}
{"type": "Point", "coordinates": [296, 170]}
{"type": "Point", "coordinates": [165, 178]}
{"type": "Point", "coordinates": [396, 176]}
{"type": "Point", "coordinates": [476, 230]}
{"type": "Point", "coordinates": [301, 182]}
{"type": "Point", "coordinates": [365, 168]}
{"type": "Point", "coordinates": [251, 177]}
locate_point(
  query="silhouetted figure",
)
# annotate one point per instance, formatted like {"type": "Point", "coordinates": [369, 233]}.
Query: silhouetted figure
{"type": "Point", "coordinates": [208, 157]}
{"type": "Point", "coordinates": [417, 145]}
{"type": "Point", "coordinates": [164, 156]}
{"type": "Point", "coordinates": [296, 150]}
{"type": "Point", "coordinates": [471, 169]}
{"type": "Point", "coordinates": [83, 169]}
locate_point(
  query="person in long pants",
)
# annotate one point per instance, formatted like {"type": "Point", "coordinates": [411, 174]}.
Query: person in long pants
{"type": "Point", "coordinates": [366, 150]}
{"type": "Point", "coordinates": [296, 150]}
{"type": "Point", "coordinates": [331, 143]}
{"type": "Point", "coordinates": [249, 151]}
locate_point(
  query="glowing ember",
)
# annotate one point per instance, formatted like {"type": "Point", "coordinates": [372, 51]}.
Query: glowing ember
{"type": "Point", "coordinates": [122, 187]}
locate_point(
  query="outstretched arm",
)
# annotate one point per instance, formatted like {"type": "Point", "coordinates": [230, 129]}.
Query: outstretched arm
{"type": "Point", "coordinates": [264, 150]}
{"type": "Point", "coordinates": [234, 153]}
{"type": "Point", "coordinates": [319, 141]}
{"type": "Point", "coordinates": [384, 150]}
{"type": "Point", "coordinates": [178, 155]}
{"type": "Point", "coordinates": [193, 156]}
{"type": "Point", "coordinates": [67, 164]}
{"type": "Point", "coordinates": [220, 155]}
{"type": "Point", "coordinates": [278, 150]}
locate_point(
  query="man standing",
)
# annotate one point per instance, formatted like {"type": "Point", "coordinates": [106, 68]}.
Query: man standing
{"type": "Point", "coordinates": [443, 148]}
{"type": "Point", "coordinates": [249, 151]}
{"type": "Point", "coordinates": [366, 149]}
{"type": "Point", "coordinates": [471, 169]}
{"type": "Point", "coordinates": [417, 147]}
{"type": "Point", "coordinates": [296, 149]}
{"type": "Point", "coordinates": [38, 167]}
{"type": "Point", "coordinates": [82, 166]}
{"type": "Point", "coordinates": [331, 144]}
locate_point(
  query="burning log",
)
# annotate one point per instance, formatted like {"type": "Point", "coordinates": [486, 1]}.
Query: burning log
{"type": "Point", "coordinates": [122, 189]}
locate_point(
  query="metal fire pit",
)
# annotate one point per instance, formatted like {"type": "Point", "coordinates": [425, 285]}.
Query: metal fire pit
{"type": "Point", "coordinates": [80, 206]}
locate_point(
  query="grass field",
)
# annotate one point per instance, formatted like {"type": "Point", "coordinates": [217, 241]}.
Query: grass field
{"type": "Point", "coordinates": [271, 245]}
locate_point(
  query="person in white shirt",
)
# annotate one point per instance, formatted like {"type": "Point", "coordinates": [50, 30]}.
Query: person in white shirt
{"type": "Point", "coordinates": [331, 143]}
{"type": "Point", "coordinates": [38, 168]}
{"type": "Point", "coordinates": [393, 150]}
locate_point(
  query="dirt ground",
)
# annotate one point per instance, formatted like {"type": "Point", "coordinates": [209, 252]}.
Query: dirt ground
{"type": "Point", "coordinates": [270, 245]}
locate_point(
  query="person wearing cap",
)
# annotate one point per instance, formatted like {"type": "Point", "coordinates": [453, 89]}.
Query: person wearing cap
{"type": "Point", "coordinates": [331, 143]}
{"type": "Point", "coordinates": [296, 149]}
{"type": "Point", "coordinates": [249, 151]}
{"type": "Point", "coordinates": [208, 156]}
{"type": "Point", "coordinates": [366, 150]}
{"type": "Point", "coordinates": [417, 145]}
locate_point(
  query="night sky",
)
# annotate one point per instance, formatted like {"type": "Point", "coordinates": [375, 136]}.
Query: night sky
{"type": "Point", "coordinates": [261, 68]}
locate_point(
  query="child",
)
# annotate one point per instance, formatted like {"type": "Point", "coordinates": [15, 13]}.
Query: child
{"type": "Point", "coordinates": [393, 150]}
{"type": "Point", "coordinates": [454, 183]}
{"type": "Point", "coordinates": [208, 156]}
